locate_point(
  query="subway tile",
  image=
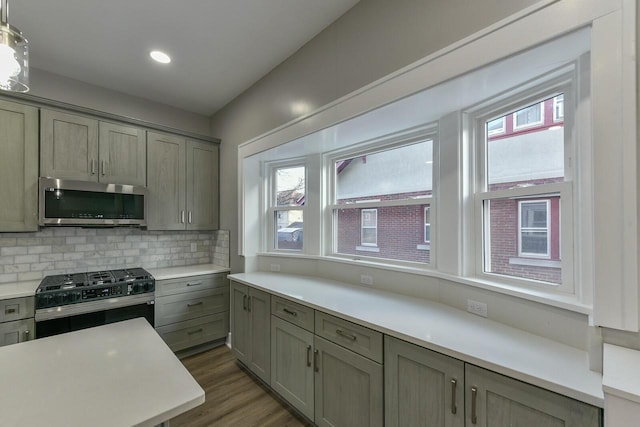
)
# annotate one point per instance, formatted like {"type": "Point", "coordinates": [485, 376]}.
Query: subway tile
{"type": "Point", "coordinates": [15, 250]}
{"type": "Point", "coordinates": [8, 277]}
{"type": "Point", "coordinates": [38, 250]}
{"type": "Point", "coordinates": [76, 240]}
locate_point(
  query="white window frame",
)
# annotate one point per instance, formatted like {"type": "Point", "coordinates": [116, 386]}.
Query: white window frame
{"type": "Point", "coordinates": [270, 235]}
{"type": "Point", "coordinates": [403, 138]}
{"type": "Point", "coordinates": [546, 229]}
{"type": "Point", "coordinates": [562, 81]}
{"type": "Point", "coordinates": [363, 227]}
{"type": "Point", "coordinates": [499, 131]}
{"type": "Point", "coordinates": [427, 224]}
{"type": "Point", "coordinates": [517, 127]}
{"type": "Point", "coordinates": [558, 107]}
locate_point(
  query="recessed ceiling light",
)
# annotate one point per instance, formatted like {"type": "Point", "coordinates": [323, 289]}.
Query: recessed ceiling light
{"type": "Point", "coordinates": [160, 57]}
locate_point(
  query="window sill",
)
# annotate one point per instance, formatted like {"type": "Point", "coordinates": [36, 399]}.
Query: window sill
{"type": "Point", "coordinates": [368, 248]}
{"type": "Point", "coordinates": [426, 247]}
{"type": "Point", "coordinates": [532, 262]}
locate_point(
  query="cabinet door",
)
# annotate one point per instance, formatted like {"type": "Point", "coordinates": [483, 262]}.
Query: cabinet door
{"type": "Point", "coordinates": [259, 306]}
{"type": "Point", "coordinates": [166, 182]}
{"type": "Point", "coordinates": [239, 321]}
{"type": "Point", "coordinates": [18, 167]}
{"type": "Point", "coordinates": [422, 387]}
{"type": "Point", "coordinates": [493, 400]}
{"type": "Point", "coordinates": [122, 155]}
{"type": "Point", "coordinates": [291, 364]}
{"type": "Point", "coordinates": [16, 331]}
{"type": "Point", "coordinates": [348, 388]}
{"type": "Point", "coordinates": [202, 186]}
{"type": "Point", "coordinates": [69, 146]}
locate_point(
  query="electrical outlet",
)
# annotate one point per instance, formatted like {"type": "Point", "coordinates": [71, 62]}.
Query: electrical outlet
{"type": "Point", "coordinates": [366, 280]}
{"type": "Point", "coordinates": [275, 267]}
{"type": "Point", "coordinates": [476, 307]}
{"type": "Point", "coordinates": [194, 247]}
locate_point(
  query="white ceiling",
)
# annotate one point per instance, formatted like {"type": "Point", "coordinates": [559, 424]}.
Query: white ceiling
{"type": "Point", "coordinates": [219, 47]}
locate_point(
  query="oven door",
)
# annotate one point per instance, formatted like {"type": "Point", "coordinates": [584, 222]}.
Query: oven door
{"type": "Point", "coordinates": [58, 320]}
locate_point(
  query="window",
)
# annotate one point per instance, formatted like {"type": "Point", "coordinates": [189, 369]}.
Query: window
{"type": "Point", "coordinates": [287, 206]}
{"type": "Point", "coordinates": [427, 225]}
{"type": "Point", "coordinates": [369, 221]}
{"type": "Point", "coordinates": [379, 199]}
{"type": "Point", "coordinates": [523, 178]}
{"type": "Point", "coordinates": [497, 126]}
{"type": "Point", "coordinates": [530, 116]}
{"type": "Point", "coordinates": [533, 228]}
{"type": "Point", "coordinates": [558, 108]}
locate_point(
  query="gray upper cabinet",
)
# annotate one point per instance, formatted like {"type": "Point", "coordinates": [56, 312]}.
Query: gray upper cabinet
{"type": "Point", "coordinates": [81, 148]}
{"type": "Point", "coordinates": [182, 181]}
{"type": "Point", "coordinates": [18, 167]}
{"type": "Point", "coordinates": [202, 186]}
{"type": "Point", "coordinates": [166, 182]}
{"type": "Point", "coordinates": [122, 154]}
{"type": "Point", "coordinates": [69, 146]}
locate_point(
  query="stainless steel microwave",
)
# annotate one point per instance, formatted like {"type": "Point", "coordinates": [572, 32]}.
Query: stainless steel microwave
{"type": "Point", "coordinates": [81, 203]}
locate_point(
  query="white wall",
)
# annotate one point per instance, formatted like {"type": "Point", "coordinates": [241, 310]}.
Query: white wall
{"type": "Point", "coordinates": [372, 40]}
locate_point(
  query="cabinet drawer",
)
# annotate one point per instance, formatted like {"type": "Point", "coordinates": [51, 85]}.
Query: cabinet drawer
{"type": "Point", "coordinates": [359, 339]}
{"type": "Point", "coordinates": [16, 331]}
{"type": "Point", "coordinates": [190, 284]}
{"type": "Point", "coordinates": [190, 305]}
{"type": "Point", "coordinates": [179, 336]}
{"type": "Point", "coordinates": [16, 309]}
{"type": "Point", "coordinates": [292, 312]}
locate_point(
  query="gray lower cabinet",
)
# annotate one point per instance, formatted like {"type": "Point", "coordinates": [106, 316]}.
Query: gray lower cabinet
{"type": "Point", "coordinates": [250, 329]}
{"type": "Point", "coordinates": [326, 381]}
{"type": "Point", "coordinates": [422, 388]}
{"type": "Point", "coordinates": [425, 388]}
{"type": "Point", "coordinates": [18, 167]}
{"type": "Point", "coordinates": [348, 387]}
{"type": "Point", "coordinates": [192, 311]}
{"type": "Point", "coordinates": [292, 365]}
{"type": "Point", "coordinates": [493, 400]}
{"type": "Point", "coordinates": [16, 320]}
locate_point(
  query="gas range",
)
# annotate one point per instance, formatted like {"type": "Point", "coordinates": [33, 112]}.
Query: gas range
{"type": "Point", "coordinates": [77, 288]}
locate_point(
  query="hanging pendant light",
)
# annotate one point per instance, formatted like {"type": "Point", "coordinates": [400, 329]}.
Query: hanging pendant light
{"type": "Point", "coordinates": [14, 55]}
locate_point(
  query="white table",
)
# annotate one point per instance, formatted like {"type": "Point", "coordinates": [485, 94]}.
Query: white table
{"type": "Point", "coordinates": [120, 374]}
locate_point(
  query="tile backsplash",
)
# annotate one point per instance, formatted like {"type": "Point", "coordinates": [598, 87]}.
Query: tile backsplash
{"type": "Point", "coordinates": [31, 256]}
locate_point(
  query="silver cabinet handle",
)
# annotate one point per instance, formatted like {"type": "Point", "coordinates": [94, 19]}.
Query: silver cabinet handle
{"type": "Point", "coordinates": [474, 398]}
{"type": "Point", "coordinates": [103, 167]}
{"type": "Point", "coordinates": [195, 304]}
{"type": "Point", "coordinates": [244, 302]}
{"type": "Point", "coordinates": [346, 335]}
{"type": "Point", "coordinates": [194, 284]}
{"type": "Point", "coordinates": [182, 217]}
{"type": "Point", "coordinates": [190, 217]}
{"type": "Point", "coordinates": [26, 335]}
{"type": "Point", "coordinates": [454, 383]}
{"type": "Point", "coordinates": [194, 332]}
{"type": "Point", "coordinates": [290, 312]}
{"type": "Point", "coordinates": [309, 356]}
{"type": "Point", "coordinates": [315, 361]}
{"type": "Point", "coordinates": [93, 166]}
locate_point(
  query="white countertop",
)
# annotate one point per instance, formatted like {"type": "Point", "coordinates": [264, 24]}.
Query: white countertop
{"type": "Point", "coordinates": [18, 289]}
{"type": "Point", "coordinates": [482, 342]}
{"type": "Point", "coordinates": [120, 374]}
{"type": "Point", "coordinates": [621, 373]}
{"type": "Point", "coordinates": [191, 270]}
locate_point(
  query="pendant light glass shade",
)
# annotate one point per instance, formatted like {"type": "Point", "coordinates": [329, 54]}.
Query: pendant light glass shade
{"type": "Point", "coordinates": [14, 55]}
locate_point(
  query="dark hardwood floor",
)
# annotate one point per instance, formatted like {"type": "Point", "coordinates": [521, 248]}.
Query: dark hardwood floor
{"type": "Point", "coordinates": [233, 397]}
